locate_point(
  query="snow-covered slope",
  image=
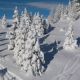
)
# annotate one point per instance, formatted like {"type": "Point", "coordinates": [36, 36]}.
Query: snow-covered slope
{"type": "Point", "coordinates": [59, 64]}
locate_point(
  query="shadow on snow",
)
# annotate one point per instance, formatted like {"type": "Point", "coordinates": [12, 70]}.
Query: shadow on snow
{"type": "Point", "coordinates": [3, 49]}
{"type": "Point", "coordinates": [50, 28]}
{"type": "Point", "coordinates": [43, 38]}
{"type": "Point", "coordinates": [78, 41]}
{"type": "Point", "coordinates": [4, 44]}
{"type": "Point", "coordinates": [3, 39]}
{"type": "Point", "coordinates": [3, 33]}
{"type": "Point", "coordinates": [3, 72]}
{"type": "Point", "coordinates": [49, 51]}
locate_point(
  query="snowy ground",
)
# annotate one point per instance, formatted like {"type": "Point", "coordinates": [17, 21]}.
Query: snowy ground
{"type": "Point", "coordinates": [60, 64]}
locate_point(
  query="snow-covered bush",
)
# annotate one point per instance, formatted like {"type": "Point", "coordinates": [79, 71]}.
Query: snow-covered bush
{"type": "Point", "coordinates": [70, 43]}
{"type": "Point", "coordinates": [4, 22]}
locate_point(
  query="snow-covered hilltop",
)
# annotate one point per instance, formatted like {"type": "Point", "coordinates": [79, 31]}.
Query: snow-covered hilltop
{"type": "Point", "coordinates": [35, 48]}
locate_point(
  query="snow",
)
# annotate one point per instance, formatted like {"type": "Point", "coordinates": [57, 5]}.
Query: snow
{"type": "Point", "coordinates": [65, 65]}
{"type": "Point", "coordinates": [44, 54]}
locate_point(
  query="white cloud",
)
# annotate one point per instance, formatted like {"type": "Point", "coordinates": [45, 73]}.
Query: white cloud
{"type": "Point", "coordinates": [48, 6]}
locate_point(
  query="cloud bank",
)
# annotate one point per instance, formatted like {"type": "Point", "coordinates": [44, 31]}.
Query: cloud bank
{"type": "Point", "coordinates": [45, 5]}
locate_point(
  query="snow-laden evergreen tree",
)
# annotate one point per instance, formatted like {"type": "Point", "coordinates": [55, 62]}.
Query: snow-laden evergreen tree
{"type": "Point", "coordinates": [70, 43]}
{"type": "Point", "coordinates": [51, 16]}
{"type": "Point", "coordinates": [46, 25]}
{"type": "Point", "coordinates": [16, 16]}
{"type": "Point", "coordinates": [59, 13]}
{"type": "Point", "coordinates": [29, 43]}
{"type": "Point", "coordinates": [27, 52]}
{"type": "Point", "coordinates": [27, 19]}
{"type": "Point", "coordinates": [21, 37]}
{"type": "Point", "coordinates": [55, 15]}
{"type": "Point", "coordinates": [38, 24]}
{"type": "Point", "coordinates": [11, 36]}
{"type": "Point", "coordinates": [4, 22]}
{"type": "Point", "coordinates": [74, 9]}
{"type": "Point", "coordinates": [19, 45]}
{"type": "Point", "coordinates": [33, 59]}
{"type": "Point", "coordinates": [37, 60]}
{"type": "Point", "coordinates": [63, 12]}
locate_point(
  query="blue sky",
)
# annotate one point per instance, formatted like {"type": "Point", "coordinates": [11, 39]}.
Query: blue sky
{"type": "Point", "coordinates": [43, 6]}
{"type": "Point", "coordinates": [23, 1]}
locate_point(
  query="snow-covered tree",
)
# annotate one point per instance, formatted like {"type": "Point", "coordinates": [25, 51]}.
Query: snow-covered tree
{"type": "Point", "coordinates": [11, 36]}
{"type": "Point", "coordinates": [63, 12]}
{"type": "Point", "coordinates": [19, 46]}
{"type": "Point", "coordinates": [29, 43]}
{"type": "Point", "coordinates": [55, 15]}
{"type": "Point", "coordinates": [51, 16]}
{"type": "Point", "coordinates": [16, 16]}
{"type": "Point", "coordinates": [27, 53]}
{"type": "Point", "coordinates": [23, 39]}
{"type": "Point", "coordinates": [46, 25]}
{"type": "Point", "coordinates": [59, 12]}
{"type": "Point", "coordinates": [27, 19]}
{"type": "Point", "coordinates": [74, 9]}
{"type": "Point", "coordinates": [37, 59]}
{"type": "Point", "coordinates": [38, 24]}
{"type": "Point", "coordinates": [33, 59]}
{"type": "Point", "coordinates": [4, 22]}
{"type": "Point", "coordinates": [70, 43]}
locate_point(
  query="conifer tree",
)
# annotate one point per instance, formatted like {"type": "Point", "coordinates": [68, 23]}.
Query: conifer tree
{"type": "Point", "coordinates": [38, 25]}
{"type": "Point", "coordinates": [70, 43]}
{"type": "Point", "coordinates": [4, 22]}
{"type": "Point", "coordinates": [11, 36]}
{"type": "Point", "coordinates": [16, 16]}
